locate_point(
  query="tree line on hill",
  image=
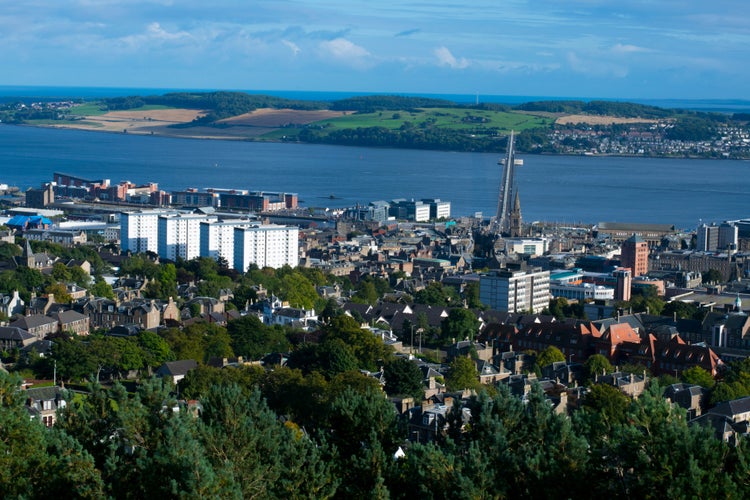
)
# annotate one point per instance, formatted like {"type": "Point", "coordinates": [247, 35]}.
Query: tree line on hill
{"type": "Point", "coordinates": [687, 125]}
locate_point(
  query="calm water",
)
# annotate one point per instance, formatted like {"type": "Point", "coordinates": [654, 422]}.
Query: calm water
{"type": "Point", "coordinates": [566, 189]}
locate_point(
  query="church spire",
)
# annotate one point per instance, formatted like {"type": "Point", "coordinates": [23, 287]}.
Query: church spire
{"type": "Point", "coordinates": [28, 254]}
{"type": "Point", "coordinates": [515, 218]}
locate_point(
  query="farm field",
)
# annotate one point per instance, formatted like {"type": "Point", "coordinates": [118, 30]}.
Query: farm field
{"type": "Point", "coordinates": [451, 118]}
{"type": "Point", "coordinates": [269, 124]}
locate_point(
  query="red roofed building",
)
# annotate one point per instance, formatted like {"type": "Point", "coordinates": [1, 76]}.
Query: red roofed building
{"type": "Point", "coordinates": [613, 337]}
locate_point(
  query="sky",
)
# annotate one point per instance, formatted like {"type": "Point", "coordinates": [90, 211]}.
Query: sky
{"type": "Point", "coordinates": [655, 49]}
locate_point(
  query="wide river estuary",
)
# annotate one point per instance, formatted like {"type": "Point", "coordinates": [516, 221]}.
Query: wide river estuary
{"type": "Point", "coordinates": [564, 189]}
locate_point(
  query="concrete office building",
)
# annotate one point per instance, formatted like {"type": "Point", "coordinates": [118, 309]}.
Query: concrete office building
{"type": "Point", "coordinates": [515, 290]}
{"type": "Point", "coordinates": [438, 209]}
{"type": "Point", "coordinates": [707, 238]}
{"type": "Point", "coordinates": [416, 211]}
{"type": "Point", "coordinates": [728, 237]}
{"type": "Point", "coordinates": [581, 292]}
{"type": "Point", "coordinates": [266, 246]}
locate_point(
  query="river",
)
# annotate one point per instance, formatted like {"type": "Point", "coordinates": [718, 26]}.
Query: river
{"type": "Point", "coordinates": [566, 189]}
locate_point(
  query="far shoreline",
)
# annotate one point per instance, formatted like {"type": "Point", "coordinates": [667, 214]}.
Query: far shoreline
{"type": "Point", "coordinates": [270, 141]}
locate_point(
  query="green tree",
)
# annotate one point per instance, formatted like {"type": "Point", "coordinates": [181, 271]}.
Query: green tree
{"type": "Point", "coordinates": [460, 324]}
{"type": "Point", "coordinates": [521, 449]}
{"type": "Point", "coordinates": [712, 276]}
{"type": "Point", "coordinates": [596, 365]}
{"type": "Point", "coordinates": [60, 291]}
{"type": "Point", "coordinates": [272, 462]}
{"type": "Point", "coordinates": [607, 401]}
{"type": "Point", "coordinates": [462, 374]}
{"type": "Point", "coordinates": [73, 359]}
{"type": "Point", "coordinates": [298, 290]}
{"type": "Point", "coordinates": [371, 352]}
{"type": "Point", "coordinates": [144, 445]}
{"type": "Point", "coordinates": [471, 294]}
{"type": "Point", "coordinates": [330, 358]}
{"type": "Point", "coordinates": [364, 433]}
{"type": "Point", "coordinates": [683, 310]}
{"type": "Point", "coordinates": [698, 376]}
{"type": "Point", "coordinates": [366, 294]}
{"type": "Point", "coordinates": [549, 355]}
{"type": "Point", "coordinates": [655, 450]}
{"type": "Point", "coordinates": [102, 289]}
{"type": "Point", "coordinates": [139, 265]}
{"type": "Point", "coordinates": [252, 339]}
{"type": "Point", "coordinates": [403, 377]}
{"type": "Point", "coordinates": [199, 381]}
{"type": "Point", "coordinates": [9, 250]}
{"type": "Point", "coordinates": [647, 300]}
{"type": "Point", "coordinates": [79, 276]}
{"type": "Point", "coordinates": [37, 462]}
{"type": "Point", "coordinates": [165, 283]}
{"type": "Point", "coordinates": [435, 294]}
{"type": "Point", "coordinates": [60, 272]}
{"type": "Point", "coordinates": [156, 350]}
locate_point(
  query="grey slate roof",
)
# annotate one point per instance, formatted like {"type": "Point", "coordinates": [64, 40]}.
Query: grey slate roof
{"type": "Point", "coordinates": [33, 321]}
{"type": "Point", "coordinates": [180, 367]}
{"type": "Point", "coordinates": [732, 408]}
{"type": "Point", "coordinates": [14, 333]}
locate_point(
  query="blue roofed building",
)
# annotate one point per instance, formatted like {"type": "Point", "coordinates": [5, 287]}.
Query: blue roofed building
{"type": "Point", "coordinates": [24, 222]}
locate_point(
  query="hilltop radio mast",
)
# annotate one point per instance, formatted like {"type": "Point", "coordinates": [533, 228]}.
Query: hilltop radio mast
{"type": "Point", "coordinates": [507, 221]}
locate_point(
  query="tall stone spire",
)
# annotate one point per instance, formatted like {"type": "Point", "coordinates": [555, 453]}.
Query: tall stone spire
{"type": "Point", "coordinates": [28, 255]}
{"type": "Point", "coordinates": [515, 218]}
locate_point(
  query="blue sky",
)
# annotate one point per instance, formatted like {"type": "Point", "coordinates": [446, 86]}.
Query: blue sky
{"type": "Point", "coordinates": [582, 48]}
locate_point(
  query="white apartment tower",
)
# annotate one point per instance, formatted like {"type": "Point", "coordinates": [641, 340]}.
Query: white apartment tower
{"type": "Point", "coordinates": [139, 231]}
{"type": "Point", "coordinates": [179, 236]}
{"type": "Point", "coordinates": [217, 238]}
{"type": "Point", "coordinates": [266, 246]}
{"type": "Point", "coordinates": [515, 291]}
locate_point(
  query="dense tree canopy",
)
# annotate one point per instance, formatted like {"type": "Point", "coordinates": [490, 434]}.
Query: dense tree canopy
{"type": "Point", "coordinates": [403, 377]}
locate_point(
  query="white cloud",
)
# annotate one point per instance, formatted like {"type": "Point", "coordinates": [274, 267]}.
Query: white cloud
{"type": "Point", "coordinates": [154, 34]}
{"type": "Point", "coordinates": [628, 49]}
{"type": "Point", "coordinates": [292, 46]}
{"type": "Point", "coordinates": [346, 51]}
{"type": "Point", "coordinates": [446, 58]}
{"type": "Point", "coordinates": [155, 31]}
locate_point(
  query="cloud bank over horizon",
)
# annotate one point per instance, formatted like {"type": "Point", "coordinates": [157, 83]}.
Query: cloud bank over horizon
{"type": "Point", "coordinates": [669, 49]}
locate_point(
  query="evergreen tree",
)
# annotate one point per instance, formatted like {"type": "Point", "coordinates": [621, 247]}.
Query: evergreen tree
{"type": "Point", "coordinates": [36, 462]}
{"type": "Point", "coordinates": [403, 377]}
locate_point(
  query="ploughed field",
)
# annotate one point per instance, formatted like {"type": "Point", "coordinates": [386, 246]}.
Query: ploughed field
{"type": "Point", "coordinates": [278, 124]}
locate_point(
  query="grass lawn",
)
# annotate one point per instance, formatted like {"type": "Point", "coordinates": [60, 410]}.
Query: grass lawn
{"type": "Point", "coordinates": [87, 109]}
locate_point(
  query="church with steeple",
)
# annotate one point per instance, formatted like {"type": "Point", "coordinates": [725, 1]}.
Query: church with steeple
{"type": "Point", "coordinates": [515, 225]}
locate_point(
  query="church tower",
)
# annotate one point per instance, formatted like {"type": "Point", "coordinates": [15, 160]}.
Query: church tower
{"type": "Point", "coordinates": [28, 256]}
{"type": "Point", "coordinates": [515, 218]}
